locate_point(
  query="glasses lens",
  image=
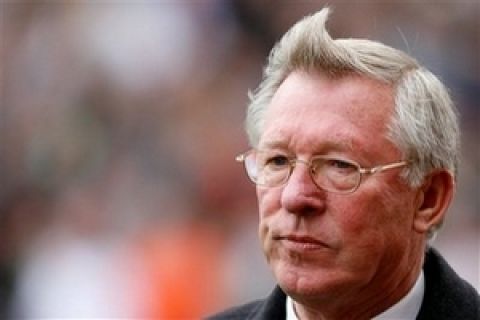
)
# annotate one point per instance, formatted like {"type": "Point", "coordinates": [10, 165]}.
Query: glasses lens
{"type": "Point", "coordinates": [251, 167]}
{"type": "Point", "coordinates": [267, 169]}
{"type": "Point", "coordinates": [335, 175]}
{"type": "Point", "coordinates": [273, 169]}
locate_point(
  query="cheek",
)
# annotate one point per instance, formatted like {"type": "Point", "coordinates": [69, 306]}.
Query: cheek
{"type": "Point", "coordinates": [268, 201]}
{"type": "Point", "coordinates": [268, 205]}
{"type": "Point", "coordinates": [375, 222]}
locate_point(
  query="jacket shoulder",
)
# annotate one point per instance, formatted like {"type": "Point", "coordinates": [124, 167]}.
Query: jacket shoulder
{"type": "Point", "coordinates": [447, 296]}
{"type": "Point", "coordinates": [241, 312]}
{"type": "Point", "coordinates": [273, 307]}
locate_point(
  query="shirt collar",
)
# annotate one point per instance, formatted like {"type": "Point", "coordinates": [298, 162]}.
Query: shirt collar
{"type": "Point", "coordinates": [291, 315]}
{"type": "Point", "coordinates": [407, 308]}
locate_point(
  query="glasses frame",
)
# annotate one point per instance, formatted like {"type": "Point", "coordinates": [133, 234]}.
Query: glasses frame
{"type": "Point", "coordinates": [362, 171]}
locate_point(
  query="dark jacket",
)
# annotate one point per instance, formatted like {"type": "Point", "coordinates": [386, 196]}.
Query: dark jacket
{"type": "Point", "coordinates": [447, 297]}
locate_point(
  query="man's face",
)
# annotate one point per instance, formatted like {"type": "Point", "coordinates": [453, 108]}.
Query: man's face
{"type": "Point", "coordinates": [322, 245]}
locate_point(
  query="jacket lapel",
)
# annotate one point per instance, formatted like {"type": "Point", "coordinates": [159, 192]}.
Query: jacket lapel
{"type": "Point", "coordinates": [273, 308]}
{"type": "Point", "coordinates": [447, 296]}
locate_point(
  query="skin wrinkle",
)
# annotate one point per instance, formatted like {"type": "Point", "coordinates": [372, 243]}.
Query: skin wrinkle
{"type": "Point", "coordinates": [355, 146]}
{"type": "Point", "coordinates": [372, 246]}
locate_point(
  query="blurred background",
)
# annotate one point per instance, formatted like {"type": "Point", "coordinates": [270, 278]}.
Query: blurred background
{"type": "Point", "coordinates": [119, 124]}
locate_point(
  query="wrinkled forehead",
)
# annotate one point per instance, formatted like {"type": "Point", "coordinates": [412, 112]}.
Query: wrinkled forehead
{"type": "Point", "coordinates": [359, 96]}
{"type": "Point", "coordinates": [314, 108]}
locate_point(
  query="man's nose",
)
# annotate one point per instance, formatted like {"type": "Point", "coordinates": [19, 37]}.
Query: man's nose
{"type": "Point", "coordinates": [300, 194]}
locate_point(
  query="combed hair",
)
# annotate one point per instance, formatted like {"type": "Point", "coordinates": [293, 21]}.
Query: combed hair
{"type": "Point", "coordinates": [424, 124]}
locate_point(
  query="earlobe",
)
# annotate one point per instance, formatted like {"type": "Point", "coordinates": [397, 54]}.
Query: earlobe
{"type": "Point", "coordinates": [433, 199]}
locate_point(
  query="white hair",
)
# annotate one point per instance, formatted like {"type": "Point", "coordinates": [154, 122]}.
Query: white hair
{"type": "Point", "coordinates": [424, 124]}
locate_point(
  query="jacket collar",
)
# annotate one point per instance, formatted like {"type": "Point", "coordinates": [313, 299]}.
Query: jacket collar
{"type": "Point", "coordinates": [274, 307]}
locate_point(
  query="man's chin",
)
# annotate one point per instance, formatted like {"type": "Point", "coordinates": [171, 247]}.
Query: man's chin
{"type": "Point", "coordinates": [304, 283]}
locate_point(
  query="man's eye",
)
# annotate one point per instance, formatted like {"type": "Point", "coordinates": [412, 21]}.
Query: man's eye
{"type": "Point", "coordinates": [277, 161]}
{"type": "Point", "coordinates": [341, 166]}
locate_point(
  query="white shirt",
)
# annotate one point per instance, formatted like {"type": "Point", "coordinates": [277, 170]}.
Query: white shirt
{"type": "Point", "coordinates": [405, 309]}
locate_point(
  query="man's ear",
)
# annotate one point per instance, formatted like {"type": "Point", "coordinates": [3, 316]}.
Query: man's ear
{"type": "Point", "coordinates": [434, 197]}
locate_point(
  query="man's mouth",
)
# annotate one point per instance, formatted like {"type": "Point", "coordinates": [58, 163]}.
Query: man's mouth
{"type": "Point", "coordinates": [301, 242]}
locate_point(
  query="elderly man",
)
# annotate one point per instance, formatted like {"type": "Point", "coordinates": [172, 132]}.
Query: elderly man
{"type": "Point", "coordinates": [355, 153]}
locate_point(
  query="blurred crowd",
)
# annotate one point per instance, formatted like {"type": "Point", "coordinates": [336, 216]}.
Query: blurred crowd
{"type": "Point", "coordinates": [119, 125]}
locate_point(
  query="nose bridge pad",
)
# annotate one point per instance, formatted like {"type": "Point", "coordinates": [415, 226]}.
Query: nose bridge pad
{"type": "Point", "coordinates": [309, 166]}
{"type": "Point", "coordinates": [305, 162]}
{"type": "Point", "coordinates": [302, 195]}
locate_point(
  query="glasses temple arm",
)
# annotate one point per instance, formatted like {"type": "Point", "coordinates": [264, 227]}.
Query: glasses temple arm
{"type": "Point", "coordinates": [384, 167]}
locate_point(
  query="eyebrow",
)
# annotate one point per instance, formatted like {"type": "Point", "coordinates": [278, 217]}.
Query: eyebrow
{"type": "Point", "coordinates": [273, 144]}
{"type": "Point", "coordinates": [319, 148]}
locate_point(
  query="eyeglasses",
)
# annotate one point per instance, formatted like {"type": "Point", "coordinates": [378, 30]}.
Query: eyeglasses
{"type": "Point", "coordinates": [335, 175]}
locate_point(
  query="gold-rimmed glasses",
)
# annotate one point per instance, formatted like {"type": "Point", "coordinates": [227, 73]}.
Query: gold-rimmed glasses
{"type": "Point", "coordinates": [332, 174]}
